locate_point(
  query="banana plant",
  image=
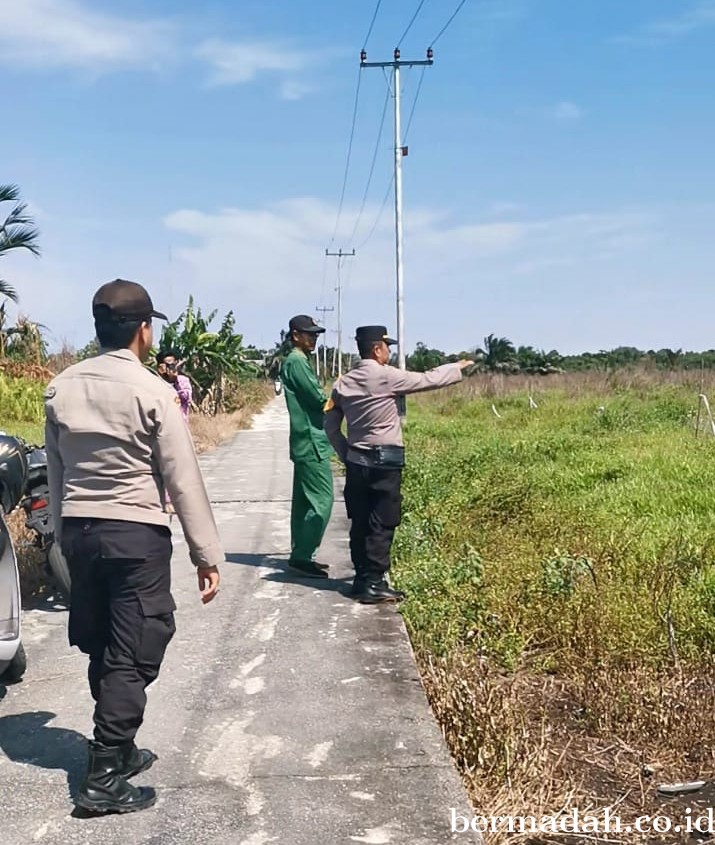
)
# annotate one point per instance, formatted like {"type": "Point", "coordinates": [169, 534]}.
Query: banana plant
{"type": "Point", "coordinates": [210, 358]}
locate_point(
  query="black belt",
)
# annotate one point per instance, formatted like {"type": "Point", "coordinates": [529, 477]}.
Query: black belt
{"type": "Point", "coordinates": [392, 457]}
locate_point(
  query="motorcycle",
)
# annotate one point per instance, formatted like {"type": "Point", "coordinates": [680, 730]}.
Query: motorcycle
{"type": "Point", "coordinates": [13, 478]}
{"type": "Point", "coordinates": [38, 516]}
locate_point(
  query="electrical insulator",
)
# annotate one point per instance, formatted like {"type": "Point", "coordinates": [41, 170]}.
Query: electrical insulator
{"type": "Point", "coordinates": [430, 54]}
{"type": "Point", "coordinates": [363, 56]}
{"type": "Point", "coordinates": [397, 54]}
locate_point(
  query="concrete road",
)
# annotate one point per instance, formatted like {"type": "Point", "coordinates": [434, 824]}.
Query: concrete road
{"type": "Point", "coordinates": [284, 711]}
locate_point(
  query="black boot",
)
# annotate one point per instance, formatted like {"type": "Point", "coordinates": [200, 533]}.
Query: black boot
{"type": "Point", "coordinates": [104, 789]}
{"type": "Point", "coordinates": [376, 593]}
{"type": "Point", "coordinates": [136, 760]}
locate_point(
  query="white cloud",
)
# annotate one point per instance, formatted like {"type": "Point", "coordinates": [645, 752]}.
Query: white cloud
{"type": "Point", "coordinates": [292, 89]}
{"type": "Point", "coordinates": [574, 281]}
{"type": "Point", "coordinates": [659, 32]}
{"type": "Point", "coordinates": [566, 111]}
{"type": "Point", "coordinates": [234, 63]}
{"type": "Point", "coordinates": [68, 33]}
{"type": "Point", "coordinates": [267, 262]}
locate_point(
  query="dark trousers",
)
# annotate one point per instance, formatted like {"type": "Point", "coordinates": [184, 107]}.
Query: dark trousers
{"type": "Point", "coordinates": [373, 501]}
{"type": "Point", "coordinates": [121, 615]}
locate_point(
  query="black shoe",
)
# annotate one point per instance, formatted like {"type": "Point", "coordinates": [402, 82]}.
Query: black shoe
{"type": "Point", "coordinates": [105, 790]}
{"type": "Point", "coordinates": [401, 593]}
{"type": "Point", "coordinates": [378, 593]}
{"type": "Point", "coordinates": [136, 760]}
{"type": "Point", "coordinates": [308, 568]}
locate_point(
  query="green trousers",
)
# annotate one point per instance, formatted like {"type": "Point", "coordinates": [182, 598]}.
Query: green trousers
{"type": "Point", "coordinates": [311, 506]}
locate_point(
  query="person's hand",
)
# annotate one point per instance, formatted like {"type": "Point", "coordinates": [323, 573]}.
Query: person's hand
{"type": "Point", "coordinates": [464, 364]}
{"type": "Point", "coordinates": [208, 583]}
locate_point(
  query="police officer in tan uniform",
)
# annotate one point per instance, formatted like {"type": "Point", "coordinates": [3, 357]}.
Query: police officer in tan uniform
{"type": "Point", "coordinates": [116, 442]}
{"type": "Point", "coordinates": [373, 453]}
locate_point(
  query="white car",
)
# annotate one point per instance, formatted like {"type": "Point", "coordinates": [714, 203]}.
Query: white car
{"type": "Point", "coordinates": [13, 475]}
{"type": "Point", "coordinates": [12, 654]}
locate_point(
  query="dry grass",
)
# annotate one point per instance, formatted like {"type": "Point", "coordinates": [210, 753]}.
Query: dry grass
{"type": "Point", "coordinates": [575, 384]}
{"type": "Point", "coordinates": [210, 432]}
{"type": "Point", "coordinates": [31, 372]}
{"type": "Point", "coordinates": [30, 560]}
{"type": "Point", "coordinates": [525, 745]}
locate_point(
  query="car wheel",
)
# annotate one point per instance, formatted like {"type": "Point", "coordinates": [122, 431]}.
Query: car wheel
{"type": "Point", "coordinates": [16, 669]}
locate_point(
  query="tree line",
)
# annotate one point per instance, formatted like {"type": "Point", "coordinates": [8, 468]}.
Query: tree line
{"type": "Point", "coordinates": [499, 354]}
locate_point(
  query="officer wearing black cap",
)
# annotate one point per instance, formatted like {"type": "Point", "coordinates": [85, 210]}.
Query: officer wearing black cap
{"type": "Point", "coordinates": [373, 453]}
{"type": "Point", "coordinates": [116, 443]}
{"type": "Point", "coordinates": [310, 451]}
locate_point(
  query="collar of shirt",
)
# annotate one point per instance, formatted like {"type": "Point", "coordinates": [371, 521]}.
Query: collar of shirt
{"type": "Point", "coordinates": [124, 354]}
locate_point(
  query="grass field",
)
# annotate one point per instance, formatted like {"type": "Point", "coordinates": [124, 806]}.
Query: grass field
{"type": "Point", "coordinates": [560, 561]}
{"type": "Point", "coordinates": [21, 408]}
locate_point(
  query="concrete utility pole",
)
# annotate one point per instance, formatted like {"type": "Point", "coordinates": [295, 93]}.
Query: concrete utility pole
{"type": "Point", "coordinates": [400, 151]}
{"type": "Point", "coordinates": [340, 255]}
{"type": "Point", "coordinates": [323, 310]}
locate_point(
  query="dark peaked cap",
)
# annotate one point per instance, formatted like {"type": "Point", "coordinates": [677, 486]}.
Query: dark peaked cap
{"type": "Point", "coordinates": [373, 334]}
{"type": "Point", "coordinates": [122, 301]}
{"type": "Point", "coordinates": [304, 323]}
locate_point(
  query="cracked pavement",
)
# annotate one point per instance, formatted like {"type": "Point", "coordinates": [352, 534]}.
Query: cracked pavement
{"type": "Point", "coordinates": [284, 712]}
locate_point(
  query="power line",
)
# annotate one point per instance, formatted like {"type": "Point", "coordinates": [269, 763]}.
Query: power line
{"type": "Point", "coordinates": [377, 220]}
{"type": "Point", "coordinates": [352, 128]}
{"type": "Point", "coordinates": [448, 24]}
{"type": "Point", "coordinates": [372, 165]}
{"type": "Point", "coordinates": [383, 205]}
{"type": "Point", "coordinates": [347, 161]}
{"type": "Point", "coordinates": [372, 23]}
{"type": "Point", "coordinates": [414, 103]}
{"type": "Point", "coordinates": [410, 24]}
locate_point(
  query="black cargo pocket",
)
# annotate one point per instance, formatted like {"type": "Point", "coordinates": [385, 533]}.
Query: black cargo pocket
{"type": "Point", "coordinates": [157, 629]}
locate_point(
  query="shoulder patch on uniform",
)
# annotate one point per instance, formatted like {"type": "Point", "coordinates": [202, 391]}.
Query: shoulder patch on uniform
{"type": "Point", "coordinates": [50, 392]}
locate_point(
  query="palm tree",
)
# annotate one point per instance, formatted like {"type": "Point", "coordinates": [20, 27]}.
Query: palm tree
{"type": "Point", "coordinates": [16, 232]}
{"type": "Point", "coordinates": [497, 353]}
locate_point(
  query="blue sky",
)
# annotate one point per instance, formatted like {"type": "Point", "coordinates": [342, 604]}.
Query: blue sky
{"type": "Point", "coordinates": [559, 187]}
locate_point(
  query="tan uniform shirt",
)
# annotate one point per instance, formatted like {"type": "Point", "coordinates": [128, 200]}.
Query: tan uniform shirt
{"type": "Point", "coordinates": [115, 442]}
{"type": "Point", "coordinates": [366, 398]}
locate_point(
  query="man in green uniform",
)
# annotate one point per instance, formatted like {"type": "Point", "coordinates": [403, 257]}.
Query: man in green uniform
{"type": "Point", "coordinates": [310, 449]}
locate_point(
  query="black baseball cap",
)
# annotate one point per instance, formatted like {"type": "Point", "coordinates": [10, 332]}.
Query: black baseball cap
{"type": "Point", "coordinates": [122, 301]}
{"type": "Point", "coordinates": [373, 334]}
{"type": "Point", "coordinates": [304, 323]}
